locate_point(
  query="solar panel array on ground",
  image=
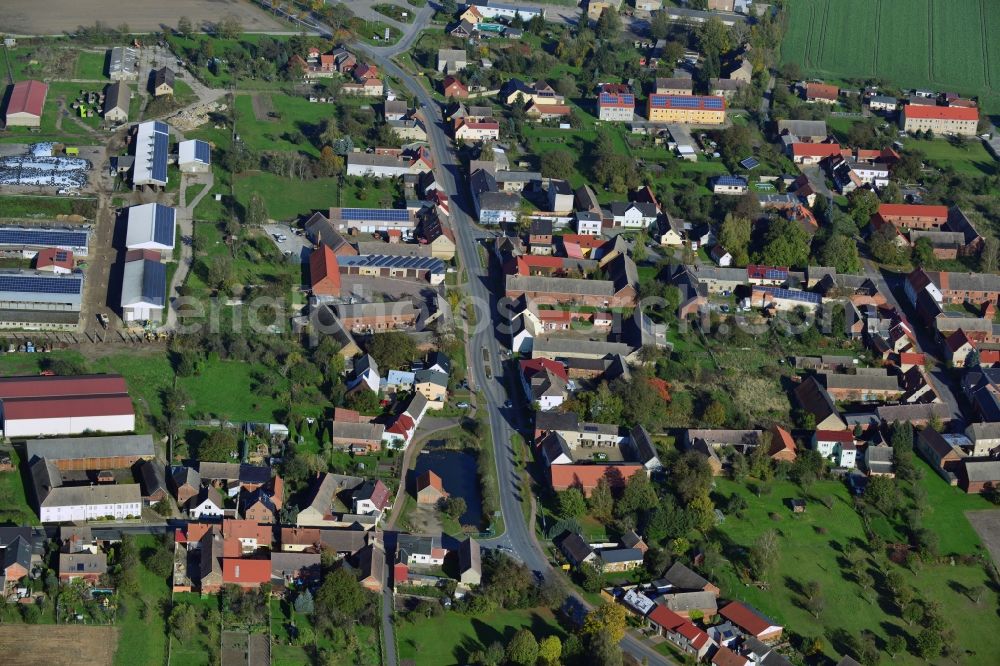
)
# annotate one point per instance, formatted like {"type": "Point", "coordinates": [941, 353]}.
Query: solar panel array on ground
{"type": "Point", "coordinates": [792, 294]}
{"type": "Point", "coordinates": [389, 261]}
{"type": "Point", "coordinates": [163, 225]}
{"type": "Point", "coordinates": [375, 214]}
{"type": "Point", "coordinates": [40, 284]}
{"type": "Point", "coordinates": [750, 163]}
{"type": "Point", "coordinates": [42, 237]}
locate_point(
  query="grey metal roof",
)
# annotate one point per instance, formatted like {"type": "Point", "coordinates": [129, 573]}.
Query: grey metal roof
{"type": "Point", "coordinates": [860, 381]}
{"type": "Point", "coordinates": [117, 96]}
{"type": "Point", "coordinates": [553, 285]}
{"type": "Point", "coordinates": [75, 448]}
{"type": "Point", "coordinates": [355, 310]}
{"type": "Point", "coordinates": [144, 281]}
{"type": "Point", "coordinates": [982, 470]}
{"type": "Point", "coordinates": [118, 493]}
{"type": "Point", "coordinates": [802, 128]}
{"type": "Point", "coordinates": [618, 555]}
{"type": "Point", "coordinates": [123, 59]}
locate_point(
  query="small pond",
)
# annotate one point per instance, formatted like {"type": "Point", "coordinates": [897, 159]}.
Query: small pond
{"type": "Point", "coordinates": [457, 470]}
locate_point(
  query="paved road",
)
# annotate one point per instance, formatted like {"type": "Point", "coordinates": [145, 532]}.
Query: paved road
{"type": "Point", "coordinates": [519, 536]}
{"type": "Point", "coordinates": [388, 637]}
{"type": "Point", "coordinates": [926, 343]}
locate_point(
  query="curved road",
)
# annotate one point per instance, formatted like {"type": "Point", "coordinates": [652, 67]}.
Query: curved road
{"type": "Point", "coordinates": [519, 536]}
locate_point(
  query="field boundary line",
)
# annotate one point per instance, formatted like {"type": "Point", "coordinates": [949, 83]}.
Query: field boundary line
{"type": "Point", "coordinates": [930, 41]}
{"type": "Point", "coordinates": [878, 36]}
{"type": "Point", "coordinates": [986, 45]}
{"type": "Point", "coordinates": [821, 54]}
{"type": "Point", "coordinates": [809, 37]}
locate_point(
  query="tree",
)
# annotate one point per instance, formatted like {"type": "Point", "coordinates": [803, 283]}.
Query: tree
{"type": "Point", "coordinates": [393, 349]}
{"type": "Point", "coordinates": [702, 512]}
{"type": "Point", "coordinates": [557, 163]}
{"type": "Point", "coordinates": [764, 553]}
{"type": "Point", "coordinates": [862, 204]}
{"type": "Point", "coordinates": [219, 446]}
{"type": "Point", "coordinates": [841, 252]}
{"type": "Point", "coordinates": [449, 7]}
{"type": "Point", "coordinates": [814, 601]}
{"type": "Point", "coordinates": [736, 142]}
{"type": "Point", "coordinates": [912, 612]}
{"type": "Point", "coordinates": [609, 25]}
{"type": "Point", "coordinates": [785, 244]}
{"type": "Point", "coordinates": [884, 246]}
{"type": "Point", "coordinates": [881, 492]}
{"type": "Point", "coordinates": [256, 211]}
{"type": "Point", "coordinates": [714, 415]}
{"type": "Point", "coordinates": [603, 649]}
{"type": "Point", "coordinates": [989, 260]}
{"type": "Point", "coordinates": [923, 253]}
{"type": "Point", "coordinates": [184, 26]}
{"type": "Point", "coordinates": [340, 595]}
{"type": "Point", "coordinates": [304, 603]}
{"type": "Point", "coordinates": [735, 237]}
{"type": "Point", "coordinates": [523, 648]}
{"type": "Point", "coordinates": [229, 27]}
{"type": "Point", "coordinates": [331, 162]}
{"type": "Point", "coordinates": [160, 561]}
{"type": "Point", "coordinates": [896, 644]}
{"type": "Point", "coordinates": [606, 618]}
{"type": "Point", "coordinates": [572, 503]}
{"type": "Point", "coordinates": [691, 476]}
{"type": "Point", "coordinates": [714, 37]}
{"type": "Point", "coordinates": [183, 622]}
{"type": "Point", "coordinates": [929, 644]}
{"type": "Point", "coordinates": [602, 502]}
{"type": "Point", "coordinates": [549, 651]}
{"type": "Point", "coordinates": [455, 507]}
{"type": "Point", "coordinates": [639, 496]}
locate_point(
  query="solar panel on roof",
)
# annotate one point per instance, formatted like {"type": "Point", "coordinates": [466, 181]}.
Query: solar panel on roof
{"type": "Point", "coordinates": [43, 237]}
{"type": "Point", "coordinates": [160, 127]}
{"type": "Point", "coordinates": [159, 157]}
{"type": "Point", "coordinates": [202, 152]}
{"type": "Point", "coordinates": [154, 282]}
{"type": "Point", "coordinates": [62, 256]}
{"type": "Point", "coordinates": [375, 214]}
{"type": "Point", "coordinates": [750, 163]}
{"type": "Point", "coordinates": [792, 294]}
{"type": "Point", "coordinates": [163, 225]}
{"type": "Point", "coordinates": [40, 285]}
{"type": "Point", "coordinates": [730, 180]}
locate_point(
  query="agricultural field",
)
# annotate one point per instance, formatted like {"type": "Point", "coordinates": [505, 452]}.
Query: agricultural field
{"type": "Point", "coordinates": [940, 44]}
{"type": "Point", "coordinates": [49, 644]}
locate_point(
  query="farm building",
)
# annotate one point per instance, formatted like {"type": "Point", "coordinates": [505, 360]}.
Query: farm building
{"type": "Point", "coordinates": [40, 300]}
{"type": "Point", "coordinates": [958, 120]}
{"type": "Point", "coordinates": [90, 453]}
{"type": "Point", "coordinates": [54, 260]}
{"type": "Point", "coordinates": [194, 156]}
{"type": "Point", "coordinates": [123, 64]}
{"type": "Point", "coordinates": [36, 406]}
{"type": "Point", "coordinates": [151, 227]}
{"type": "Point", "coordinates": [163, 82]}
{"type": "Point", "coordinates": [59, 503]}
{"type": "Point", "coordinates": [152, 141]}
{"type": "Point", "coordinates": [117, 97]}
{"type": "Point", "coordinates": [25, 104]}
{"type": "Point", "coordinates": [144, 286]}
{"type": "Point", "coordinates": [26, 242]}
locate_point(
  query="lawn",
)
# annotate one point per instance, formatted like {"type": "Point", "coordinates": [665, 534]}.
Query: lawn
{"type": "Point", "coordinates": [811, 546]}
{"type": "Point", "coordinates": [90, 65]}
{"type": "Point", "coordinates": [42, 207]}
{"type": "Point", "coordinates": [296, 122]}
{"type": "Point", "coordinates": [285, 198]}
{"type": "Point", "coordinates": [368, 649]}
{"type": "Point", "coordinates": [394, 12]}
{"type": "Point", "coordinates": [970, 157]}
{"type": "Point", "coordinates": [941, 44]}
{"type": "Point", "coordinates": [223, 389]}
{"type": "Point", "coordinates": [14, 507]}
{"type": "Point", "coordinates": [144, 641]}
{"type": "Point", "coordinates": [452, 637]}
{"type": "Point", "coordinates": [204, 647]}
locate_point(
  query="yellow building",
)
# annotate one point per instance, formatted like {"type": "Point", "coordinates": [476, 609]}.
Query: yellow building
{"type": "Point", "coordinates": [686, 109]}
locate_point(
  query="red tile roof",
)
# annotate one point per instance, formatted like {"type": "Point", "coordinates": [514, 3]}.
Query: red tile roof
{"type": "Point", "coordinates": [324, 272]}
{"type": "Point", "coordinates": [666, 618]}
{"type": "Point", "coordinates": [27, 97]}
{"type": "Point", "coordinates": [746, 618]}
{"type": "Point", "coordinates": [587, 476]}
{"type": "Point", "coordinates": [429, 480]}
{"type": "Point", "coordinates": [834, 436]}
{"type": "Point", "coordinates": [815, 149]}
{"type": "Point", "coordinates": [781, 442]}
{"type": "Point", "coordinates": [344, 415]}
{"type": "Point", "coordinates": [248, 572]}
{"type": "Point", "coordinates": [533, 366]}
{"type": "Point", "coordinates": [940, 112]}
{"type": "Point", "coordinates": [758, 272]}
{"type": "Point", "coordinates": [821, 91]}
{"type": "Point", "coordinates": [913, 210]}
{"type": "Point", "coordinates": [53, 256]}
{"type": "Point", "coordinates": [246, 529]}
{"type": "Point", "coordinates": [726, 657]}
{"type": "Point", "coordinates": [912, 358]}
{"type": "Point", "coordinates": [67, 406]}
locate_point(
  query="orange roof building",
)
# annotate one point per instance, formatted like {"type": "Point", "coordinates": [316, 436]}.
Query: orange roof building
{"type": "Point", "coordinates": [822, 92]}
{"type": "Point", "coordinates": [246, 573]}
{"type": "Point", "coordinates": [324, 272]}
{"type": "Point", "coordinates": [782, 444]}
{"type": "Point", "coordinates": [586, 476]}
{"type": "Point", "coordinates": [430, 490]}
{"type": "Point", "coordinates": [959, 120]}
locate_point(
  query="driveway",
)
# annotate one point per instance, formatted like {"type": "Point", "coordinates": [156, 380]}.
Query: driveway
{"type": "Point", "coordinates": [293, 244]}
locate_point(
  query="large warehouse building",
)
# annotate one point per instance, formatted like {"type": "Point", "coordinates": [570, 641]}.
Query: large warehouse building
{"type": "Point", "coordinates": [90, 453]}
{"type": "Point", "coordinates": [144, 286]}
{"type": "Point", "coordinates": [25, 105]}
{"type": "Point", "coordinates": [27, 241]}
{"type": "Point", "coordinates": [41, 406]}
{"type": "Point", "coordinates": [40, 300]}
{"type": "Point", "coordinates": [152, 143]}
{"type": "Point", "coordinates": [151, 227]}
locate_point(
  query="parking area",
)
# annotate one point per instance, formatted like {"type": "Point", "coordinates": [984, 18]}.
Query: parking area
{"type": "Point", "coordinates": [291, 242]}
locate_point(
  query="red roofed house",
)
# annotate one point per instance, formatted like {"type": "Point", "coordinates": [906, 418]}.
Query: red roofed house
{"type": "Point", "coordinates": [680, 632]}
{"type": "Point", "coordinates": [813, 153]}
{"type": "Point", "coordinates": [429, 488]}
{"type": "Point", "coordinates": [586, 476]}
{"type": "Point", "coordinates": [454, 88]}
{"type": "Point", "coordinates": [959, 120]}
{"type": "Point", "coordinates": [365, 72]}
{"type": "Point", "coordinates": [751, 622]}
{"type": "Point", "coordinates": [27, 99]}
{"type": "Point", "coordinates": [248, 534]}
{"type": "Point", "coordinates": [782, 445]}
{"type": "Point", "coordinates": [726, 657]}
{"type": "Point", "coordinates": [536, 111]}
{"type": "Point", "coordinates": [246, 573]}
{"type": "Point", "coordinates": [71, 405]}
{"type": "Point", "coordinates": [822, 92]}
{"type": "Point", "coordinates": [774, 276]}
{"type": "Point", "coordinates": [477, 129]}
{"type": "Point", "coordinates": [909, 359]}
{"type": "Point", "coordinates": [914, 216]}
{"type": "Point", "coordinates": [324, 273]}
{"type": "Point", "coordinates": [54, 260]}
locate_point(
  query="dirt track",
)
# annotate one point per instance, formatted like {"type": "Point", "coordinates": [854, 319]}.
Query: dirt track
{"type": "Point", "coordinates": [57, 645]}
{"type": "Point", "coordinates": [53, 17]}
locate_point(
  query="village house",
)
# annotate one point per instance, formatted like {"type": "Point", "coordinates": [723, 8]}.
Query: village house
{"type": "Point", "coordinates": [956, 120]}
{"type": "Point", "coordinates": [615, 102]}
{"type": "Point", "coordinates": [710, 110]}
{"type": "Point", "coordinates": [821, 92]}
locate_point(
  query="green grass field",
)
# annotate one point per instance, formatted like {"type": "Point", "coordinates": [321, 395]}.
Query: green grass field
{"type": "Point", "coordinates": [941, 44]}
{"type": "Point", "coordinates": [14, 506]}
{"type": "Point", "coordinates": [143, 636]}
{"type": "Point", "coordinates": [287, 198]}
{"type": "Point", "coordinates": [297, 118]}
{"type": "Point", "coordinates": [452, 637]}
{"type": "Point", "coordinates": [811, 546]}
{"type": "Point", "coordinates": [90, 66]}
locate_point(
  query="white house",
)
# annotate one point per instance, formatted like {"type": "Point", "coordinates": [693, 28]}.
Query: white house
{"type": "Point", "coordinates": [451, 61]}
{"type": "Point", "coordinates": [490, 9]}
{"type": "Point", "coordinates": [365, 375]}
{"type": "Point", "coordinates": [207, 505]}
{"type": "Point", "coordinates": [633, 215]}
{"type": "Point", "coordinates": [721, 256]}
{"type": "Point", "coordinates": [730, 185]}
{"type": "Point", "coordinates": [424, 550]}
{"type": "Point", "coordinates": [76, 503]}
{"type": "Point", "coordinates": [588, 223]}
{"type": "Point", "coordinates": [151, 227]}
{"type": "Point", "coordinates": [194, 156]}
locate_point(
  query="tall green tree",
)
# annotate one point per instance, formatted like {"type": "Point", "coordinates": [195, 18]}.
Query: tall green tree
{"type": "Point", "coordinates": [735, 237]}
{"type": "Point", "coordinates": [785, 244]}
